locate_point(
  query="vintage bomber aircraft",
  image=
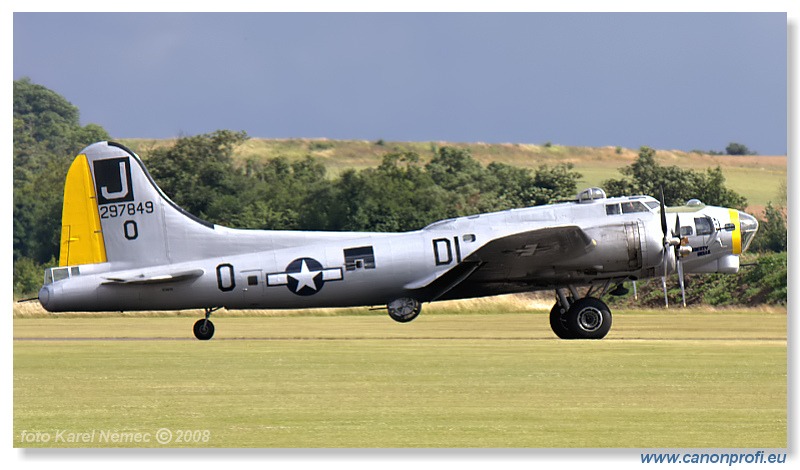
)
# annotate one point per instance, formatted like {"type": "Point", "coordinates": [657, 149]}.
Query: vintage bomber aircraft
{"type": "Point", "coordinates": [126, 246]}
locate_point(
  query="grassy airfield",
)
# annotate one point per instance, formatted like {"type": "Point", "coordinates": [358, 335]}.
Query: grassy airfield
{"type": "Point", "coordinates": [677, 378]}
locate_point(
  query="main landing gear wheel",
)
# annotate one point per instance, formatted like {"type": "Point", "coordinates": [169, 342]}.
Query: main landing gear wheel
{"type": "Point", "coordinates": [404, 310]}
{"type": "Point", "coordinates": [203, 329]}
{"type": "Point", "coordinates": [558, 322]}
{"type": "Point", "coordinates": [588, 318]}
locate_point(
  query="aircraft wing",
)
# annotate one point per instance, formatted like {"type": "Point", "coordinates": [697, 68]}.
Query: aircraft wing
{"type": "Point", "coordinates": [154, 278]}
{"type": "Point", "coordinates": [512, 258]}
{"type": "Point", "coordinates": [522, 254]}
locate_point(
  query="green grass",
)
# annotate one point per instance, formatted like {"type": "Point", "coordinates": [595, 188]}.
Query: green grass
{"type": "Point", "coordinates": [660, 379]}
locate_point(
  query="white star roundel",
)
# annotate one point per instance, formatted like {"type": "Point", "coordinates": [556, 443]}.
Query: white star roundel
{"type": "Point", "coordinates": [304, 276]}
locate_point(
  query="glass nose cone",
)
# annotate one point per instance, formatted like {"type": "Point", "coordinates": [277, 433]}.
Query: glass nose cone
{"type": "Point", "coordinates": [749, 227]}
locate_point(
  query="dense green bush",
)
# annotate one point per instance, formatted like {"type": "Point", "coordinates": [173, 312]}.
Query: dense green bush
{"type": "Point", "coordinates": [646, 176]}
{"type": "Point", "coordinates": [762, 279]}
{"type": "Point", "coordinates": [772, 234]}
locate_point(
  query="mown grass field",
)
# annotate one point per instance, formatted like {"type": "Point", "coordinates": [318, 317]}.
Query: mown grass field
{"type": "Point", "coordinates": [678, 378]}
{"type": "Point", "coordinates": [756, 177]}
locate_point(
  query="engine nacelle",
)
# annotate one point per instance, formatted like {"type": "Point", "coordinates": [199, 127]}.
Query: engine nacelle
{"type": "Point", "coordinates": [728, 264]}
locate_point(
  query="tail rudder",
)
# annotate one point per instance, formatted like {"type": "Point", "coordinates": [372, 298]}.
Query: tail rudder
{"type": "Point", "coordinates": [113, 211]}
{"type": "Point", "coordinates": [82, 239]}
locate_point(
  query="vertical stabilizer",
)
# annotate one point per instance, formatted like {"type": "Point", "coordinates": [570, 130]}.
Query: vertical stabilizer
{"type": "Point", "coordinates": [81, 235]}
{"type": "Point", "coordinates": [123, 215]}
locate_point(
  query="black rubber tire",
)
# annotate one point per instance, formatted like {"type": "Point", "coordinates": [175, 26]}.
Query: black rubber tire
{"type": "Point", "coordinates": [203, 329]}
{"type": "Point", "coordinates": [412, 306]}
{"type": "Point", "coordinates": [558, 322]}
{"type": "Point", "coordinates": [589, 318]}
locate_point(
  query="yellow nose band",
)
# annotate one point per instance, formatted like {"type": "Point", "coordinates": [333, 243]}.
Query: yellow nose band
{"type": "Point", "coordinates": [736, 235]}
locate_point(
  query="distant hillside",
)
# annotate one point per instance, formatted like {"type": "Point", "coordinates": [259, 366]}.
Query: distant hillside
{"type": "Point", "coordinates": [756, 177]}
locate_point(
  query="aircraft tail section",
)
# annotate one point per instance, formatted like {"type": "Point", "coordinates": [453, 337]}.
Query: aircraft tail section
{"type": "Point", "coordinates": [113, 211]}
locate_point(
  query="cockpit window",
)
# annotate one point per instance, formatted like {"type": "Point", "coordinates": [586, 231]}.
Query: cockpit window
{"type": "Point", "coordinates": [52, 275]}
{"type": "Point", "coordinates": [60, 274]}
{"type": "Point", "coordinates": [633, 206]}
{"type": "Point", "coordinates": [652, 204]}
{"type": "Point", "coordinates": [687, 231]}
{"type": "Point", "coordinates": [703, 225]}
{"type": "Point", "coordinates": [628, 207]}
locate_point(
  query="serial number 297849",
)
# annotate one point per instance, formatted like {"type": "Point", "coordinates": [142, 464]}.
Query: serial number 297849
{"type": "Point", "coordinates": [111, 211]}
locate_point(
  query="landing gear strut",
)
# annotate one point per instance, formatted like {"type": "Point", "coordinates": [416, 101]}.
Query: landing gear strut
{"type": "Point", "coordinates": [203, 328]}
{"type": "Point", "coordinates": [584, 318]}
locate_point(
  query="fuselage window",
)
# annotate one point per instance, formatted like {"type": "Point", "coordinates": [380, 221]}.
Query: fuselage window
{"type": "Point", "coordinates": [252, 280]}
{"type": "Point", "coordinates": [612, 209]}
{"type": "Point", "coordinates": [703, 225]}
{"type": "Point", "coordinates": [633, 206]}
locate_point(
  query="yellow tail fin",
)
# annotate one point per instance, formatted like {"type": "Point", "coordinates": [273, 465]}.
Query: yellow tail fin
{"type": "Point", "coordinates": [81, 235]}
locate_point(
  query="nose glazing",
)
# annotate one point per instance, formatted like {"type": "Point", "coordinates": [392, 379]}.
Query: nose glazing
{"type": "Point", "coordinates": [749, 227]}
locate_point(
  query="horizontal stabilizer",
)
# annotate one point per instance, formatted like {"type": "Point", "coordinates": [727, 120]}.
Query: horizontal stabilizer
{"type": "Point", "coordinates": [155, 278]}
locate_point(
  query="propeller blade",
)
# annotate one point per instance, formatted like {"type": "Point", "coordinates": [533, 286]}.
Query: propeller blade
{"type": "Point", "coordinates": [666, 273]}
{"type": "Point", "coordinates": [666, 244]}
{"type": "Point", "coordinates": [663, 215]}
{"type": "Point", "coordinates": [676, 235]}
{"type": "Point", "coordinates": [678, 261]}
{"type": "Point", "coordinates": [680, 277]}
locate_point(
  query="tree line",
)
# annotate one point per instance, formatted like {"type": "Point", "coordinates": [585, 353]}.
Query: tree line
{"type": "Point", "coordinates": [402, 193]}
{"type": "Point", "coordinates": [200, 174]}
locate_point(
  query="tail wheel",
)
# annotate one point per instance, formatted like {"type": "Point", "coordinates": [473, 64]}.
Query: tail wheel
{"type": "Point", "coordinates": [404, 310]}
{"type": "Point", "coordinates": [203, 329]}
{"type": "Point", "coordinates": [588, 318]}
{"type": "Point", "coordinates": [558, 322]}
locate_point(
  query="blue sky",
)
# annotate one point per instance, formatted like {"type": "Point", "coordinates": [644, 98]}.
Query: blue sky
{"type": "Point", "coordinates": [668, 80]}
